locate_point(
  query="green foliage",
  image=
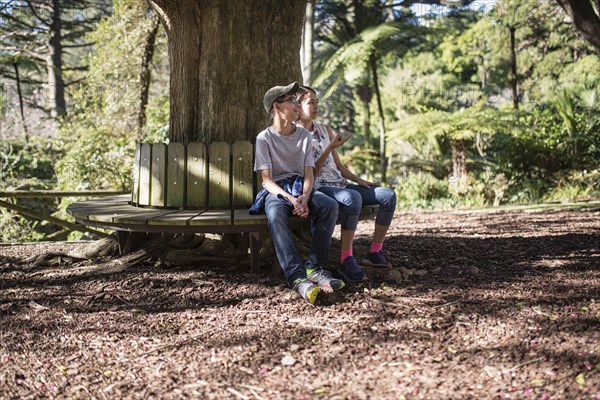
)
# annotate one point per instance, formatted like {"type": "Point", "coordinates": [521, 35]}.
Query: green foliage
{"type": "Point", "coordinates": [422, 190]}
{"type": "Point", "coordinates": [14, 227]}
{"type": "Point", "coordinates": [24, 160]}
{"type": "Point", "coordinates": [574, 186]}
{"type": "Point", "coordinates": [350, 60]}
{"type": "Point", "coordinates": [100, 159]}
{"type": "Point", "coordinates": [156, 129]}
{"type": "Point", "coordinates": [99, 136]}
{"type": "Point", "coordinates": [19, 163]}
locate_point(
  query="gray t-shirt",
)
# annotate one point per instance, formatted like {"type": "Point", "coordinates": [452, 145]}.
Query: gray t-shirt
{"type": "Point", "coordinates": [284, 155]}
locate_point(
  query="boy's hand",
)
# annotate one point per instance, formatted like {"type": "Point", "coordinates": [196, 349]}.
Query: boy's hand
{"type": "Point", "coordinates": [301, 206]}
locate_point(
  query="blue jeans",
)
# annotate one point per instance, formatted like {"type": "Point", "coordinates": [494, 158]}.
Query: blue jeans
{"type": "Point", "coordinates": [323, 211]}
{"type": "Point", "coordinates": [353, 197]}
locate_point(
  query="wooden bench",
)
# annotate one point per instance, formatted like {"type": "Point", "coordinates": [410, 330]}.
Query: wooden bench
{"type": "Point", "coordinates": [188, 189]}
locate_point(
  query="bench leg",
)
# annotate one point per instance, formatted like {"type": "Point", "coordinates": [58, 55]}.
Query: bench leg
{"type": "Point", "coordinates": [122, 239]}
{"type": "Point", "coordinates": [129, 241]}
{"type": "Point", "coordinates": [255, 239]}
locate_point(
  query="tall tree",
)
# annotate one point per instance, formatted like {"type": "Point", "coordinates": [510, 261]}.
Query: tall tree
{"type": "Point", "coordinates": [307, 50]}
{"type": "Point", "coordinates": [586, 18]}
{"type": "Point", "coordinates": [358, 43]}
{"type": "Point", "coordinates": [47, 32]}
{"type": "Point", "coordinates": [224, 55]}
{"type": "Point", "coordinates": [146, 72]}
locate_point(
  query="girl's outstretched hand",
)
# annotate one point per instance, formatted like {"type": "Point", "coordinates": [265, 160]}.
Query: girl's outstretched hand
{"type": "Point", "coordinates": [339, 140]}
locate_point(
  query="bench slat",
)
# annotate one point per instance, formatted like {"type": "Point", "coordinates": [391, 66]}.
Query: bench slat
{"type": "Point", "coordinates": [135, 178]}
{"type": "Point", "coordinates": [218, 174]}
{"type": "Point", "coordinates": [243, 190]}
{"type": "Point", "coordinates": [140, 216]}
{"type": "Point", "coordinates": [145, 177]}
{"type": "Point", "coordinates": [242, 217]}
{"type": "Point", "coordinates": [158, 185]}
{"type": "Point", "coordinates": [120, 198]}
{"type": "Point", "coordinates": [212, 217]}
{"type": "Point", "coordinates": [178, 218]}
{"type": "Point", "coordinates": [115, 211]}
{"type": "Point", "coordinates": [197, 170]}
{"type": "Point", "coordinates": [175, 174]}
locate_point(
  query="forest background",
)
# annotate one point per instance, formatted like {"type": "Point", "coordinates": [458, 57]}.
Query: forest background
{"type": "Point", "coordinates": [457, 105]}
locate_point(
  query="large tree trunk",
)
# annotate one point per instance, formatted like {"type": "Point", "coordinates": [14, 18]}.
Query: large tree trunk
{"type": "Point", "coordinates": [145, 75]}
{"type": "Point", "coordinates": [307, 50]}
{"type": "Point", "coordinates": [56, 86]}
{"type": "Point", "coordinates": [585, 19]}
{"type": "Point", "coordinates": [224, 55]}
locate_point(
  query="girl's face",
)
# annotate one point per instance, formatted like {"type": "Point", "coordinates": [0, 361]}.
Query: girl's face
{"type": "Point", "coordinates": [309, 107]}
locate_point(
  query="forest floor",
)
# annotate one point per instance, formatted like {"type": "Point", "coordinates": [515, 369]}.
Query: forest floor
{"type": "Point", "coordinates": [484, 304]}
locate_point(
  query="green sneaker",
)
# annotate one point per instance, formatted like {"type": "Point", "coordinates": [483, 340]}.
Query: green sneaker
{"type": "Point", "coordinates": [322, 277]}
{"type": "Point", "coordinates": [307, 290]}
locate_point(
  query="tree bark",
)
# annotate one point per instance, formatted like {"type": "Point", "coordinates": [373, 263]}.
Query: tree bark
{"type": "Point", "coordinates": [513, 68]}
{"type": "Point", "coordinates": [382, 146]}
{"type": "Point", "coordinates": [307, 50]}
{"type": "Point", "coordinates": [585, 19]}
{"type": "Point", "coordinates": [366, 94]}
{"type": "Point", "coordinates": [56, 86]}
{"type": "Point", "coordinates": [224, 55]}
{"type": "Point", "coordinates": [20, 95]}
{"type": "Point", "coordinates": [146, 74]}
{"type": "Point", "coordinates": [459, 165]}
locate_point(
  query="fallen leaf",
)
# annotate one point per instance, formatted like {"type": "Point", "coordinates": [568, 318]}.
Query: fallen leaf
{"type": "Point", "coordinates": [38, 307]}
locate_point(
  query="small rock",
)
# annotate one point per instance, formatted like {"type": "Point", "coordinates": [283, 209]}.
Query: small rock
{"type": "Point", "coordinates": [288, 360]}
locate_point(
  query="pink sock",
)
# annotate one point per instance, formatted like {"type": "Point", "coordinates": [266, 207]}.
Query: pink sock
{"type": "Point", "coordinates": [345, 253]}
{"type": "Point", "coordinates": [375, 247]}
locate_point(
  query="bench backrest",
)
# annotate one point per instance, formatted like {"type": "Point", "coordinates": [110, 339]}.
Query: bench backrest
{"type": "Point", "coordinates": [197, 176]}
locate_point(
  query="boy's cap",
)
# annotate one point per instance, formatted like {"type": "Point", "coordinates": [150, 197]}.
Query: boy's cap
{"type": "Point", "coordinates": [278, 91]}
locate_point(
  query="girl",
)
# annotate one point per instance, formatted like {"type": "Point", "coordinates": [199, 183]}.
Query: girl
{"type": "Point", "coordinates": [330, 178]}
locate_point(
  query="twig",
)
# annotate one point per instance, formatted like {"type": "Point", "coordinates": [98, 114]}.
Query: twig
{"type": "Point", "coordinates": [525, 363]}
{"type": "Point", "coordinates": [335, 332]}
{"type": "Point", "coordinates": [251, 387]}
{"type": "Point", "coordinates": [253, 390]}
{"type": "Point", "coordinates": [430, 334]}
{"type": "Point", "coordinates": [199, 282]}
{"type": "Point", "coordinates": [447, 304]}
{"type": "Point", "coordinates": [256, 394]}
{"type": "Point", "coordinates": [172, 345]}
{"type": "Point", "coordinates": [238, 394]}
{"type": "Point", "coordinates": [389, 303]}
{"type": "Point", "coordinates": [122, 299]}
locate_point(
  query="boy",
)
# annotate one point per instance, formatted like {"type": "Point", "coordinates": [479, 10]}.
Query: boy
{"type": "Point", "coordinates": [285, 161]}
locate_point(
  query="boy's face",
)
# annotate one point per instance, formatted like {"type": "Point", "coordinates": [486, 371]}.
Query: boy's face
{"type": "Point", "coordinates": [288, 107]}
{"type": "Point", "coordinates": [309, 108]}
